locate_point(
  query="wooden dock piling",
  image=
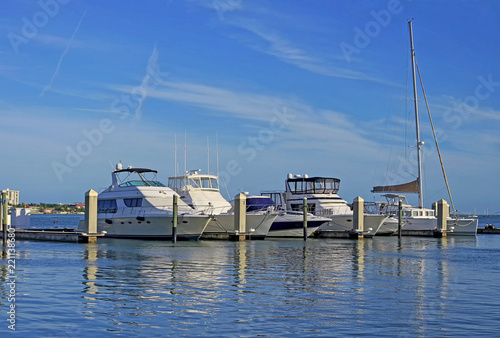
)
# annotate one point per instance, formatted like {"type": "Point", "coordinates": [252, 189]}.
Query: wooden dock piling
{"type": "Point", "coordinates": [5, 215]}
{"type": "Point", "coordinates": [240, 216]}
{"type": "Point", "coordinates": [174, 220]}
{"type": "Point", "coordinates": [305, 218]}
{"type": "Point", "coordinates": [443, 211]}
{"type": "Point", "coordinates": [358, 218]}
{"type": "Point", "coordinates": [400, 217]}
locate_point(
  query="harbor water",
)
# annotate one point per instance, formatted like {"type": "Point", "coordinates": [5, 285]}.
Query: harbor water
{"type": "Point", "coordinates": [384, 286]}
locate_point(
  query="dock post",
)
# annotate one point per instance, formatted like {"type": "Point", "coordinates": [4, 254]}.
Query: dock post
{"type": "Point", "coordinates": [174, 220]}
{"type": "Point", "coordinates": [305, 218]}
{"type": "Point", "coordinates": [358, 217]}
{"type": "Point", "coordinates": [5, 215]}
{"type": "Point", "coordinates": [400, 217]}
{"type": "Point", "coordinates": [240, 216]}
{"type": "Point", "coordinates": [443, 211]}
{"type": "Point", "coordinates": [91, 213]}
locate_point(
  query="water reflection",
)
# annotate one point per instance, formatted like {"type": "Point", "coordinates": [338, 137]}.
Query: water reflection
{"type": "Point", "coordinates": [235, 288]}
{"type": "Point", "coordinates": [90, 271]}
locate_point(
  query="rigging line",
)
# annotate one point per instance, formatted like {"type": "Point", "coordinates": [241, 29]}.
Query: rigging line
{"type": "Point", "coordinates": [217, 152]}
{"type": "Point", "coordinates": [401, 153]}
{"type": "Point", "coordinates": [435, 139]}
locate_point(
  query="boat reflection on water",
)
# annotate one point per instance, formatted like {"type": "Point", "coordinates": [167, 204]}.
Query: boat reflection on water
{"type": "Point", "coordinates": [240, 288]}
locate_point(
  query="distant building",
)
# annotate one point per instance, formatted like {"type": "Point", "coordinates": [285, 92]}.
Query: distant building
{"type": "Point", "coordinates": [77, 205]}
{"type": "Point", "coordinates": [13, 196]}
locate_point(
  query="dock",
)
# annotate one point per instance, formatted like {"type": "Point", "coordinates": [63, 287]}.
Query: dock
{"type": "Point", "coordinates": [349, 234]}
{"type": "Point", "coordinates": [57, 235]}
{"type": "Point", "coordinates": [228, 236]}
{"type": "Point", "coordinates": [425, 233]}
{"type": "Point", "coordinates": [491, 231]}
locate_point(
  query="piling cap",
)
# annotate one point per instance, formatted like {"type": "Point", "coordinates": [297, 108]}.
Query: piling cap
{"type": "Point", "coordinates": [91, 192]}
{"type": "Point", "coordinates": [359, 199]}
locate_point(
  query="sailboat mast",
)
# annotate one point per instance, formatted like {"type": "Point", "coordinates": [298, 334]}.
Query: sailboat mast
{"type": "Point", "coordinates": [417, 124]}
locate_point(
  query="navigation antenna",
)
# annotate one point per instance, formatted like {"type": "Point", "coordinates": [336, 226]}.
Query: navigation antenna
{"type": "Point", "coordinates": [185, 150]}
{"type": "Point", "coordinates": [217, 152]}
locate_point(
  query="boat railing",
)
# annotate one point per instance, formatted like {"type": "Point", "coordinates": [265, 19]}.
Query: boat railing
{"type": "Point", "coordinates": [212, 210]}
{"type": "Point", "coordinates": [339, 210]}
{"type": "Point", "coordinates": [376, 208]}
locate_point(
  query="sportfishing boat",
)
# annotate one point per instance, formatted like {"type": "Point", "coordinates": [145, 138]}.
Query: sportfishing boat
{"type": "Point", "coordinates": [141, 207]}
{"type": "Point", "coordinates": [420, 218]}
{"type": "Point", "coordinates": [202, 193]}
{"type": "Point", "coordinates": [288, 224]}
{"type": "Point", "coordinates": [323, 200]}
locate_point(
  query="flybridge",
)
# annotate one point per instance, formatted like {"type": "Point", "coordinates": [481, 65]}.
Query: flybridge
{"type": "Point", "coordinates": [143, 182]}
{"type": "Point", "coordinates": [194, 180]}
{"type": "Point", "coordinates": [312, 185]}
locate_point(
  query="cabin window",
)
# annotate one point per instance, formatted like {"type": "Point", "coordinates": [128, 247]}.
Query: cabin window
{"type": "Point", "coordinates": [407, 213]}
{"type": "Point", "coordinates": [142, 184]}
{"type": "Point", "coordinates": [311, 208]}
{"type": "Point", "coordinates": [431, 213]}
{"type": "Point", "coordinates": [313, 185]}
{"type": "Point", "coordinates": [133, 202]}
{"type": "Point", "coordinates": [106, 206]}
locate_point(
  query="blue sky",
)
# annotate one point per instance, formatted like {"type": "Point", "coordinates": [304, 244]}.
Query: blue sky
{"type": "Point", "coordinates": [316, 87]}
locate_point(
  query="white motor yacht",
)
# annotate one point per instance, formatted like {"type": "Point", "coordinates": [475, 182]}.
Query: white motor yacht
{"type": "Point", "coordinates": [202, 193]}
{"type": "Point", "coordinates": [323, 200]}
{"type": "Point", "coordinates": [138, 207]}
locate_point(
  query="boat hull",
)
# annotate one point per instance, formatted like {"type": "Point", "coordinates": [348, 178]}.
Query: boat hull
{"type": "Point", "coordinates": [292, 226]}
{"type": "Point", "coordinates": [389, 227]}
{"type": "Point", "coordinates": [455, 226]}
{"type": "Point", "coordinates": [154, 227]}
{"type": "Point", "coordinates": [372, 223]}
{"type": "Point", "coordinates": [224, 223]}
{"type": "Point", "coordinates": [463, 226]}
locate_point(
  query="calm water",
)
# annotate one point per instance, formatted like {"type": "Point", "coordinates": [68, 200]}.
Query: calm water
{"type": "Point", "coordinates": [272, 288]}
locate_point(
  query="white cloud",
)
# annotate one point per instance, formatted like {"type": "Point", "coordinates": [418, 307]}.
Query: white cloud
{"type": "Point", "coordinates": [279, 47]}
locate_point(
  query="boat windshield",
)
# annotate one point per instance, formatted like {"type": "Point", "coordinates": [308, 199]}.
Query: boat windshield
{"type": "Point", "coordinates": [313, 185]}
{"type": "Point", "coordinates": [142, 184]}
{"type": "Point", "coordinates": [196, 182]}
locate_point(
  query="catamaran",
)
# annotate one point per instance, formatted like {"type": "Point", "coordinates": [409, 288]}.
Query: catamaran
{"type": "Point", "coordinates": [420, 218]}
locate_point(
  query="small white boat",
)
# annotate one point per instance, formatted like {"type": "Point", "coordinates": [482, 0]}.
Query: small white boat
{"type": "Point", "coordinates": [141, 207]}
{"type": "Point", "coordinates": [323, 201]}
{"type": "Point", "coordinates": [202, 193]}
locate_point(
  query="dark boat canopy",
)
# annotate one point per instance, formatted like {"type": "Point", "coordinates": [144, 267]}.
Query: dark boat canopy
{"type": "Point", "coordinates": [312, 185]}
{"type": "Point", "coordinates": [136, 170]}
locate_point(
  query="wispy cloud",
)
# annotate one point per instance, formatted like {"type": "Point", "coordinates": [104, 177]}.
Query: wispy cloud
{"type": "Point", "coordinates": [58, 41]}
{"type": "Point", "coordinates": [56, 72]}
{"type": "Point", "coordinates": [284, 50]}
{"type": "Point", "coordinates": [308, 123]}
{"type": "Point", "coordinates": [453, 106]}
